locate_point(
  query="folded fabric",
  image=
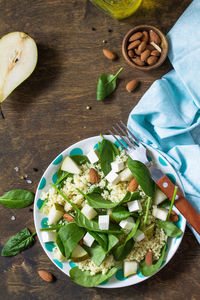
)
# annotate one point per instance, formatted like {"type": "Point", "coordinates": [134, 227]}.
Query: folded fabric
{"type": "Point", "coordinates": [168, 115]}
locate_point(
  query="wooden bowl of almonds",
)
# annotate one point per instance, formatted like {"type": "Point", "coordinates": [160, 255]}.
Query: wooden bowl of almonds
{"type": "Point", "coordinates": [145, 47]}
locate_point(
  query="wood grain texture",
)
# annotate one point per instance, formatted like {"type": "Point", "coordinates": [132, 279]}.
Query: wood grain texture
{"type": "Point", "coordinates": [47, 113]}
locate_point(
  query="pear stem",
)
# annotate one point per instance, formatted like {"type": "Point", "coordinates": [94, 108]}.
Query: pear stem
{"type": "Point", "coordinates": [2, 115]}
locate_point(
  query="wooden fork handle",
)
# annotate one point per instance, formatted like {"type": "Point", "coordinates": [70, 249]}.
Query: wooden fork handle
{"type": "Point", "coordinates": [185, 208]}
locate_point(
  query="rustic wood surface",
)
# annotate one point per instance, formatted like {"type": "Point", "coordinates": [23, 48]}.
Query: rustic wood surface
{"type": "Point", "coordinates": [47, 113]}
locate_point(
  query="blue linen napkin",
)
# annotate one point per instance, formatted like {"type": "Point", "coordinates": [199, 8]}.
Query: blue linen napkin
{"type": "Point", "coordinates": [168, 115]}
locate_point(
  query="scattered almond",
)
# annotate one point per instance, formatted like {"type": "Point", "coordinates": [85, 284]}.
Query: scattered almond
{"type": "Point", "coordinates": [94, 177]}
{"type": "Point", "coordinates": [155, 53]}
{"type": "Point", "coordinates": [135, 36]}
{"type": "Point", "coordinates": [137, 51]}
{"type": "Point", "coordinates": [81, 242]}
{"type": "Point", "coordinates": [174, 217]}
{"type": "Point", "coordinates": [142, 46]}
{"type": "Point", "coordinates": [68, 218]}
{"type": "Point", "coordinates": [46, 276]}
{"type": "Point", "coordinates": [131, 53]}
{"type": "Point", "coordinates": [145, 37]}
{"type": "Point", "coordinates": [134, 44]}
{"type": "Point", "coordinates": [149, 258]}
{"type": "Point", "coordinates": [133, 185]}
{"type": "Point", "coordinates": [109, 54]}
{"type": "Point", "coordinates": [150, 47]}
{"type": "Point", "coordinates": [154, 37]}
{"type": "Point", "coordinates": [132, 85]}
{"type": "Point", "coordinates": [145, 54]}
{"type": "Point", "coordinates": [151, 60]}
{"type": "Point", "coordinates": [138, 61]}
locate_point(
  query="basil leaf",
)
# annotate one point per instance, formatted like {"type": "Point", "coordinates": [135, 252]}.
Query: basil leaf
{"type": "Point", "coordinates": [108, 153]}
{"type": "Point", "coordinates": [82, 221]}
{"type": "Point", "coordinates": [84, 278]}
{"type": "Point", "coordinates": [106, 84]}
{"type": "Point", "coordinates": [80, 159]}
{"type": "Point", "coordinates": [18, 242]}
{"type": "Point", "coordinates": [150, 270]}
{"type": "Point", "coordinates": [70, 235]}
{"type": "Point", "coordinates": [169, 228]}
{"type": "Point", "coordinates": [101, 238]}
{"type": "Point", "coordinates": [120, 213]}
{"type": "Point", "coordinates": [98, 254]}
{"type": "Point", "coordinates": [142, 175]}
{"type": "Point", "coordinates": [17, 199]}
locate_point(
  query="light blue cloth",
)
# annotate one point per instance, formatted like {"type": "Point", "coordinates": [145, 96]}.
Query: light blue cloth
{"type": "Point", "coordinates": [168, 115]}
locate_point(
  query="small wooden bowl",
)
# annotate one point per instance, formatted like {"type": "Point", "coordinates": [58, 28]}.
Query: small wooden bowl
{"type": "Point", "coordinates": [164, 46]}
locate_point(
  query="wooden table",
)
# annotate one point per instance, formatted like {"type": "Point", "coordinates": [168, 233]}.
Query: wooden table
{"type": "Point", "coordinates": [48, 113]}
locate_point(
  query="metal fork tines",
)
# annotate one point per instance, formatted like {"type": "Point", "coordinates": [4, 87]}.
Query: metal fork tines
{"type": "Point", "coordinates": [131, 145]}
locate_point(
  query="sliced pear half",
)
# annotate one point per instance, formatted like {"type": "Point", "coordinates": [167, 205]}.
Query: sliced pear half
{"type": "Point", "coordinates": [18, 58]}
{"type": "Point", "coordinates": [70, 166]}
{"type": "Point", "coordinates": [79, 254]}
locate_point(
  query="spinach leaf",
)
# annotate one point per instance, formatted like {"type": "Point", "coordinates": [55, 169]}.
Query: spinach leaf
{"type": "Point", "coordinates": [135, 196]}
{"type": "Point", "coordinates": [60, 244]}
{"type": "Point", "coordinates": [52, 227]}
{"type": "Point", "coordinates": [43, 205]}
{"type": "Point", "coordinates": [121, 252]}
{"type": "Point", "coordinates": [165, 203]}
{"type": "Point", "coordinates": [108, 153]}
{"type": "Point", "coordinates": [18, 242]}
{"type": "Point", "coordinates": [62, 175]}
{"type": "Point", "coordinates": [17, 199]}
{"type": "Point", "coordinates": [92, 225]}
{"type": "Point", "coordinates": [106, 84]}
{"type": "Point", "coordinates": [169, 228]}
{"type": "Point", "coordinates": [142, 175]}
{"type": "Point", "coordinates": [101, 238]}
{"type": "Point", "coordinates": [150, 270]}
{"type": "Point", "coordinates": [120, 213]}
{"type": "Point", "coordinates": [70, 235]}
{"type": "Point", "coordinates": [80, 159]}
{"type": "Point", "coordinates": [98, 254]}
{"type": "Point", "coordinates": [84, 278]}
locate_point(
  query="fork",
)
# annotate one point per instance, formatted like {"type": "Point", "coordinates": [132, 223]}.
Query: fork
{"type": "Point", "coordinates": [137, 151]}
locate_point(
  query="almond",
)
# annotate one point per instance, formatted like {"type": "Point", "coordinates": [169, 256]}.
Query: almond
{"type": "Point", "coordinates": [135, 36]}
{"type": "Point", "coordinates": [132, 85]}
{"type": "Point", "coordinates": [81, 242]}
{"type": "Point", "coordinates": [151, 60]}
{"type": "Point", "coordinates": [109, 54]}
{"type": "Point", "coordinates": [68, 218]}
{"type": "Point", "coordinates": [154, 37]}
{"type": "Point", "coordinates": [137, 51]}
{"type": "Point", "coordinates": [94, 177]}
{"type": "Point", "coordinates": [150, 47]}
{"type": "Point", "coordinates": [145, 36]}
{"type": "Point", "coordinates": [46, 276]}
{"type": "Point", "coordinates": [145, 55]}
{"type": "Point", "coordinates": [149, 258]}
{"type": "Point", "coordinates": [131, 53]}
{"type": "Point", "coordinates": [155, 53]}
{"type": "Point", "coordinates": [134, 44]}
{"type": "Point", "coordinates": [142, 46]}
{"type": "Point", "coordinates": [138, 61]}
{"type": "Point", "coordinates": [174, 217]}
{"type": "Point", "coordinates": [133, 185]}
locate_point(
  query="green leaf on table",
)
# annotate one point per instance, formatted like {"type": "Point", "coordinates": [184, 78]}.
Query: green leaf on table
{"type": "Point", "coordinates": [17, 243]}
{"type": "Point", "coordinates": [106, 84]}
{"type": "Point", "coordinates": [169, 228]}
{"type": "Point", "coordinates": [70, 234]}
{"type": "Point", "coordinates": [84, 278]}
{"type": "Point", "coordinates": [142, 175]}
{"type": "Point", "coordinates": [17, 199]}
{"type": "Point", "coordinates": [108, 153]}
{"type": "Point", "coordinates": [150, 270]}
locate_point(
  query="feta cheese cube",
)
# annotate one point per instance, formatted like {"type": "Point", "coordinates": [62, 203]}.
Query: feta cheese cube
{"type": "Point", "coordinates": [126, 175]}
{"type": "Point", "coordinates": [88, 212]}
{"type": "Point", "coordinates": [134, 206]}
{"type": "Point", "coordinates": [139, 236]}
{"type": "Point", "coordinates": [160, 213]}
{"type": "Point", "coordinates": [112, 177]}
{"type": "Point", "coordinates": [93, 156]}
{"type": "Point", "coordinates": [104, 222]}
{"type": "Point", "coordinates": [117, 166]}
{"type": "Point", "coordinates": [88, 240]}
{"type": "Point", "coordinates": [130, 268]}
{"type": "Point", "coordinates": [127, 224]}
{"type": "Point", "coordinates": [48, 236]}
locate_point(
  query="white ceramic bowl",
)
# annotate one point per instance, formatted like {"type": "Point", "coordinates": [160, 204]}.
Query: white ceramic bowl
{"type": "Point", "coordinates": [49, 176]}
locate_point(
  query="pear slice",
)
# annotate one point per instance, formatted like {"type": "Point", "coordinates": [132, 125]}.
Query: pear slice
{"type": "Point", "coordinates": [18, 58]}
{"type": "Point", "coordinates": [70, 166]}
{"type": "Point", "coordinates": [79, 254]}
